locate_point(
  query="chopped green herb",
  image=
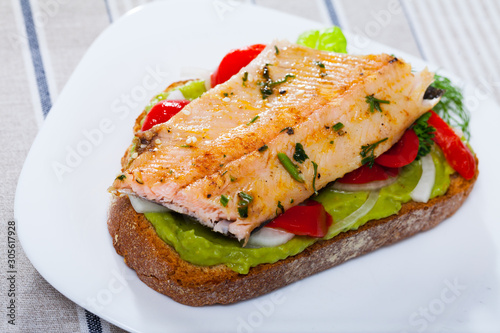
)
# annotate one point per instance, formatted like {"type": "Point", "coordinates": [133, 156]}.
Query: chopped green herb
{"type": "Point", "coordinates": [225, 94]}
{"type": "Point", "coordinates": [276, 50]}
{"type": "Point", "coordinates": [121, 177]}
{"type": "Point", "coordinates": [186, 146]}
{"type": "Point", "coordinates": [375, 103]}
{"type": "Point", "coordinates": [263, 148]}
{"type": "Point", "coordinates": [290, 167]}
{"type": "Point", "coordinates": [319, 64]}
{"type": "Point", "coordinates": [224, 200]}
{"type": "Point", "coordinates": [300, 154]}
{"type": "Point", "coordinates": [280, 206]}
{"type": "Point", "coordinates": [288, 130]}
{"type": "Point", "coordinates": [245, 200]}
{"type": "Point", "coordinates": [425, 133]}
{"type": "Point", "coordinates": [315, 176]}
{"type": "Point", "coordinates": [268, 85]}
{"type": "Point", "coordinates": [245, 78]}
{"type": "Point", "coordinates": [291, 201]}
{"type": "Point", "coordinates": [331, 142]}
{"type": "Point", "coordinates": [223, 173]}
{"type": "Point", "coordinates": [367, 152]}
{"type": "Point", "coordinates": [253, 120]}
{"type": "Point", "coordinates": [451, 107]}
{"type": "Point", "coordinates": [337, 127]}
{"type": "Point", "coordinates": [232, 178]}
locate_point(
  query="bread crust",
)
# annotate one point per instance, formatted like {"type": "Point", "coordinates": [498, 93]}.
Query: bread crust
{"type": "Point", "coordinates": [159, 266]}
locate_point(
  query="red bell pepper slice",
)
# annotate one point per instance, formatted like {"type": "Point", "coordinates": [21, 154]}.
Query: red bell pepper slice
{"type": "Point", "coordinates": [309, 220]}
{"type": "Point", "coordinates": [455, 151]}
{"type": "Point", "coordinates": [234, 61]}
{"type": "Point", "coordinates": [162, 112]}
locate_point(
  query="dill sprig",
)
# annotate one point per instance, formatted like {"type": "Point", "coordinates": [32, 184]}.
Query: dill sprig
{"type": "Point", "coordinates": [368, 153]}
{"type": "Point", "coordinates": [451, 106]}
{"type": "Point", "coordinates": [425, 133]}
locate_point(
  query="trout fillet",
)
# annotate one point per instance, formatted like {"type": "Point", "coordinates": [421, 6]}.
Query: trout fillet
{"type": "Point", "coordinates": [217, 160]}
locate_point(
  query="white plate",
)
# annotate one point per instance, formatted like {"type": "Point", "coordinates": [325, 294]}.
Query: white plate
{"type": "Point", "coordinates": [62, 214]}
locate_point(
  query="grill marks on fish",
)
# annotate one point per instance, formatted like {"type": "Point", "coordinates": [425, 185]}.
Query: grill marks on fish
{"type": "Point", "coordinates": [225, 158]}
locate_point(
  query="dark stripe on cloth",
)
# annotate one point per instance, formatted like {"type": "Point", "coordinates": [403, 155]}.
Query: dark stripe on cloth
{"type": "Point", "coordinates": [36, 57]}
{"type": "Point", "coordinates": [332, 13]}
{"type": "Point", "coordinates": [93, 322]}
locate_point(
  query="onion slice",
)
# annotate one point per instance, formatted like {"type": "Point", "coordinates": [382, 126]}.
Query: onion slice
{"type": "Point", "coordinates": [346, 223]}
{"type": "Point", "coordinates": [268, 237]}
{"type": "Point", "coordinates": [422, 192]}
{"type": "Point", "coordinates": [371, 186]}
{"type": "Point", "coordinates": [176, 95]}
{"type": "Point", "coordinates": [145, 206]}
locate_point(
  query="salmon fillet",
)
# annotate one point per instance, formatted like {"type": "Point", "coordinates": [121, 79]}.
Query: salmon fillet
{"type": "Point", "coordinates": [225, 144]}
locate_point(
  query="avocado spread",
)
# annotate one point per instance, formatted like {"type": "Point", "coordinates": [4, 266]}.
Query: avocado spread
{"type": "Point", "coordinates": [201, 246]}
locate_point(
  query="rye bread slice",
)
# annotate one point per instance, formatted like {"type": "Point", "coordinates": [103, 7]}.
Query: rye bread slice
{"type": "Point", "coordinates": [159, 266]}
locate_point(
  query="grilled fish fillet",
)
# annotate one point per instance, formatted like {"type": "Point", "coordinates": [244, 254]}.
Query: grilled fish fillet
{"type": "Point", "coordinates": [227, 141]}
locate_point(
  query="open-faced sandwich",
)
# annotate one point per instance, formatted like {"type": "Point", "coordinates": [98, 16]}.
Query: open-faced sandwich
{"type": "Point", "coordinates": [296, 159]}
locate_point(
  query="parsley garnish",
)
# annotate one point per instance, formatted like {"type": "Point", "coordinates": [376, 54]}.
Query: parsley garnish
{"type": "Point", "coordinates": [319, 64]}
{"type": "Point", "coordinates": [367, 152]}
{"type": "Point", "coordinates": [253, 120]}
{"type": "Point", "coordinates": [269, 84]}
{"type": "Point", "coordinates": [300, 154]}
{"type": "Point", "coordinates": [425, 133]}
{"type": "Point", "coordinates": [224, 200]}
{"type": "Point", "coordinates": [451, 107]}
{"type": "Point", "coordinates": [375, 103]}
{"type": "Point", "coordinates": [185, 146]}
{"type": "Point", "coordinates": [263, 148]}
{"type": "Point", "coordinates": [288, 130]}
{"type": "Point", "coordinates": [280, 206]}
{"type": "Point", "coordinates": [245, 78]}
{"type": "Point", "coordinates": [121, 177]}
{"type": "Point", "coordinates": [245, 200]}
{"type": "Point", "coordinates": [232, 178]}
{"type": "Point", "coordinates": [276, 50]}
{"type": "Point", "coordinates": [338, 127]}
{"type": "Point", "coordinates": [322, 68]}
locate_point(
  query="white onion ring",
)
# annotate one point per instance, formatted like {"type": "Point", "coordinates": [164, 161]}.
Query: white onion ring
{"type": "Point", "coordinates": [346, 223]}
{"type": "Point", "coordinates": [268, 237]}
{"type": "Point", "coordinates": [422, 192]}
{"type": "Point", "coordinates": [371, 186]}
{"type": "Point", "coordinates": [145, 206]}
{"type": "Point", "coordinates": [176, 95]}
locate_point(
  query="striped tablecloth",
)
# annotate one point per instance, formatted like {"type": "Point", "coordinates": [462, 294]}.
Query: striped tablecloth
{"type": "Point", "coordinates": [43, 40]}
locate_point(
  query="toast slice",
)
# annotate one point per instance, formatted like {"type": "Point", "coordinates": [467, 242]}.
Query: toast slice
{"type": "Point", "coordinates": [159, 266]}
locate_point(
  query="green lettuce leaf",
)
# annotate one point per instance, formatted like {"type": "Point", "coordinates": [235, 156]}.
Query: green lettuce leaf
{"type": "Point", "coordinates": [329, 39]}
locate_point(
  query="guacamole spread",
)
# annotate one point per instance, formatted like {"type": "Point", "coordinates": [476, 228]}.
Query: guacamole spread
{"type": "Point", "coordinates": [201, 246]}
